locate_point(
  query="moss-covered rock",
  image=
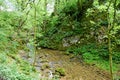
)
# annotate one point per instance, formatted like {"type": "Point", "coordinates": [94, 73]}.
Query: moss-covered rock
{"type": "Point", "coordinates": [45, 66]}
{"type": "Point", "coordinates": [60, 71]}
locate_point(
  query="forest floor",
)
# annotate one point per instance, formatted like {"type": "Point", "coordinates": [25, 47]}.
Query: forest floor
{"type": "Point", "coordinates": [72, 68]}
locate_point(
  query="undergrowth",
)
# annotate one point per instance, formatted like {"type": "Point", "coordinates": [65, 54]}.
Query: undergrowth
{"type": "Point", "coordinates": [14, 68]}
{"type": "Point", "coordinates": [97, 55]}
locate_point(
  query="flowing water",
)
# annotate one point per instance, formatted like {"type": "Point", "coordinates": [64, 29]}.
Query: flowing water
{"type": "Point", "coordinates": [47, 61]}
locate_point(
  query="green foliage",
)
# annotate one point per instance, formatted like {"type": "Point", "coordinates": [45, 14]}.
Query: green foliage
{"type": "Point", "coordinates": [90, 23]}
{"type": "Point", "coordinates": [92, 52]}
{"type": "Point", "coordinates": [116, 57]}
{"type": "Point", "coordinates": [90, 57]}
{"type": "Point", "coordinates": [87, 19]}
{"type": "Point", "coordinates": [11, 73]}
{"type": "Point", "coordinates": [6, 32]}
{"type": "Point", "coordinates": [12, 67]}
{"type": "Point", "coordinates": [66, 23]}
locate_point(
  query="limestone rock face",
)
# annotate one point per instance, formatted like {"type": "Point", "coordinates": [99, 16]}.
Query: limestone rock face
{"type": "Point", "coordinates": [66, 42]}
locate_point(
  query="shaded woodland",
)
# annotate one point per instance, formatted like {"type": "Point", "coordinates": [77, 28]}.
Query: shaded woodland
{"type": "Point", "coordinates": [84, 31]}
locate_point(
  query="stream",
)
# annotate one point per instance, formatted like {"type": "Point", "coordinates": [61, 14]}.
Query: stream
{"type": "Point", "coordinates": [56, 64]}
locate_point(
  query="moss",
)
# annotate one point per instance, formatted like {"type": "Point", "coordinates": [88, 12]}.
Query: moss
{"type": "Point", "coordinates": [60, 71]}
{"type": "Point", "coordinates": [45, 66]}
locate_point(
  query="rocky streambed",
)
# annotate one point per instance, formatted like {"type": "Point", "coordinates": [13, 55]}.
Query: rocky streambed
{"type": "Point", "coordinates": [56, 64]}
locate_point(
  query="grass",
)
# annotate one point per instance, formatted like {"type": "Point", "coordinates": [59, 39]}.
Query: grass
{"type": "Point", "coordinates": [99, 62]}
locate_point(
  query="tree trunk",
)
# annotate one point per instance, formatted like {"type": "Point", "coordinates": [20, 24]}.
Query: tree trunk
{"type": "Point", "coordinates": [110, 27]}
{"type": "Point", "coordinates": [35, 25]}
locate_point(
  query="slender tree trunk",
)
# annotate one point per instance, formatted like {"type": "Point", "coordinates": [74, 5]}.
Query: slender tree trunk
{"type": "Point", "coordinates": [35, 53]}
{"type": "Point", "coordinates": [110, 27]}
{"type": "Point", "coordinates": [44, 21]}
{"type": "Point", "coordinates": [110, 55]}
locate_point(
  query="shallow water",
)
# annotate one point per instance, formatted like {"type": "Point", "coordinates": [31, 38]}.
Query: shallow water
{"type": "Point", "coordinates": [47, 61]}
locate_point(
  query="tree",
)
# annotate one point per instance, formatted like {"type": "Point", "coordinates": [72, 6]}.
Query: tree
{"type": "Point", "coordinates": [35, 32]}
{"type": "Point", "coordinates": [110, 27]}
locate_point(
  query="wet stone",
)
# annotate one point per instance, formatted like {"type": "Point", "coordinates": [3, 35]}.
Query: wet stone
{"type": "Point", "coordinates": [48, 73]}
{"type": "Point", "coordinates": [24, 57]}
{"type": "Point", "coordinates": [41, 56]}
{"type": "Point", "coordinates": [44, 60]}
{"type": "Point", "coordinates": [37, 69]}
{"type": "Point", "coordinates": [45, 66]}
{"type": "Point", "coordinates": [30, 60]}
{"type": "Point", "coordinates": [46, 55]}
{"type": "Point", "coordinates": [38, 64]}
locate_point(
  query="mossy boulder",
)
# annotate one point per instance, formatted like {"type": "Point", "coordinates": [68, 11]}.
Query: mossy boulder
{"type": "Point", "coordinates": [60, 71]}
